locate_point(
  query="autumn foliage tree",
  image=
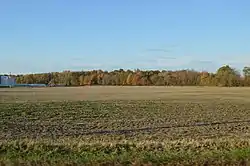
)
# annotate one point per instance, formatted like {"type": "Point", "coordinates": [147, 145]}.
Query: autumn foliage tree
{"type": "Point", "coordinates": [246, 72]}
{"type": "Point", "coordinates": [225, 76]}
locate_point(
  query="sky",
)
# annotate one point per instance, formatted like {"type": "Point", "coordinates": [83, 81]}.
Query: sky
{"type": "Point", "coordinates": [55, 35]}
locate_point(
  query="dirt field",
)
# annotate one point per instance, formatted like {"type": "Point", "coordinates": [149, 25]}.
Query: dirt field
{"type": "Point", "coordinates": [174, 94]}
{"type": "Point", "coordinates": [125, 126]}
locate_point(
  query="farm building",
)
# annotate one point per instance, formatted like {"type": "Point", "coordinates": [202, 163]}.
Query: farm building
{"type": "Point", "coordinates": [7, 81]}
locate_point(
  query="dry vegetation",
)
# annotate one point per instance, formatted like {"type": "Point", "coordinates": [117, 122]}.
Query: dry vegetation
{"type": "Point", "coordinates": [125, 125]}
{"type": "Point", "coordinates": [176, 94]}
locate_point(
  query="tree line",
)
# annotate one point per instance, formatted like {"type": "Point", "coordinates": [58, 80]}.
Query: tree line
{"type": "Point", "coordinates": [225, 76]}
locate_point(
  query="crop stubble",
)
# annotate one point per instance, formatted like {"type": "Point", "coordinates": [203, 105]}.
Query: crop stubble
{"type": "Point", "coordinates": [159, 118]}
{"type": "Point", "coordinates": [143, 125]}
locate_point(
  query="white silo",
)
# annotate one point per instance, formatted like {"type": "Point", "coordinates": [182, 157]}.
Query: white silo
{"type": "Point", "coordinates": [7, 81]}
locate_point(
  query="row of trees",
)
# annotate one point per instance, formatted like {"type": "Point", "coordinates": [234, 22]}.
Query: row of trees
{"type": "Point", "coordinates": [225, 76]}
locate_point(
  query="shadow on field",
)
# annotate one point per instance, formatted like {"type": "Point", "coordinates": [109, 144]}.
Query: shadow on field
{"type": "Point", "coordinates": [127, 131]}
{"type": "Point", "coordinates": [37, 130]}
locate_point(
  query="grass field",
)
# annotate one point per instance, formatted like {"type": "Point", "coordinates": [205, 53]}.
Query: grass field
{"type": "Point", "coordinates": [125, 126]}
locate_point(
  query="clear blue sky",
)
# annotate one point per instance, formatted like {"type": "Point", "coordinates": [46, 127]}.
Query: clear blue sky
{"type": "Point", "coordinates": [55, 35]}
